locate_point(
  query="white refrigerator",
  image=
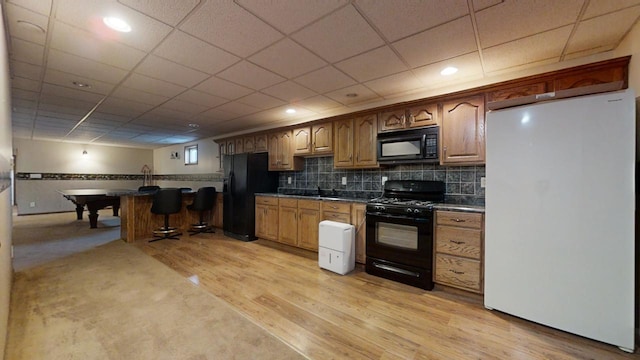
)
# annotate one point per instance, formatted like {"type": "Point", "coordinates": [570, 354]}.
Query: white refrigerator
{"type": "Point", "coordinates": [560, 202]}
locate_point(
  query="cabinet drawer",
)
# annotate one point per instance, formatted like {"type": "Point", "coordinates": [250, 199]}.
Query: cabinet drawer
{"type": "Point", "coordinates": [460, 219]}
{"type": "Point", "coordinates": [458, 272]}
{"type": "Point", "coordinates": [336, 216]}
{"type": "Point", "coordinates": [309, 204]}
{"type": "Point", "coordinates": [459, 241]}
{"type": "Point", "coordinates": [266, 200]}
{"type": "Point", "coordinates": [288, 202]}
{"type": "Point", "coordinates": [336, 206]}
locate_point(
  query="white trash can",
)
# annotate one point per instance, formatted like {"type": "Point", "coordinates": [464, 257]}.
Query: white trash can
{"type": "Point", "coordinates": [336, 246]}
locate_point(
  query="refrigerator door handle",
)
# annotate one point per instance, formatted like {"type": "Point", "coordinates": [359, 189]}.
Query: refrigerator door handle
{"type": "Point", "coordinates": [231, 181]}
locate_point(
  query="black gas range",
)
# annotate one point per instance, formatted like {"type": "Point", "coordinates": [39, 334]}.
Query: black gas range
{"type": "Point", "coordinates": [400, 231]}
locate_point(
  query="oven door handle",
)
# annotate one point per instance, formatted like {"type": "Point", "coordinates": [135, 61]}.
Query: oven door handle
{"type": "Point", "coordinates": [387, 216]}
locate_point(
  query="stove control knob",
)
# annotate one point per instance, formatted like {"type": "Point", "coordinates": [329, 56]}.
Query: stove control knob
{"type": "Point", "coordinates": [380, 208]}
{"type": "Point", "coordinates": [416, 211]}
{"type": "Point", "coordinates": [409, 210]}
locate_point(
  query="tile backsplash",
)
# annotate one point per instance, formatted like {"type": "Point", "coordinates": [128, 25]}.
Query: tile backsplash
{"type": "Point", "coordinates": [463, 182]}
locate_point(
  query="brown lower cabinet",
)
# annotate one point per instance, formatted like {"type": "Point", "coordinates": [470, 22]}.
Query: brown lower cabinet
{"type": "Point", "coordinates": [218, 211]}
{"type": "Point", "coordinates": [267, 217]}
{"type": "Point", "coordinates": [459, 242]}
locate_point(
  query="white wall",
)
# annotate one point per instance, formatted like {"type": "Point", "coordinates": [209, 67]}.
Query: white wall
{"type": "Point", "coordinates": [208, 159]}
{"type": "Point", "coordinates": [6, 267]}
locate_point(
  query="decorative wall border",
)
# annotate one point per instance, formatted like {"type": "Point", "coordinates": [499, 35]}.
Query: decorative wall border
{"type": "Point", "coordinates": [169, 177]}
{"type": "Point", "coordinates": [190, 177]}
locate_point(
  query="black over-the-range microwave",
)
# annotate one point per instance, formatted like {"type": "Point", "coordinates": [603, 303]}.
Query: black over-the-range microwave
{"type": "Point", "coordinates": [409, 146]}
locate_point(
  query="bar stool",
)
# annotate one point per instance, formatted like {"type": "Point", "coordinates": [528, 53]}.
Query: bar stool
{"type": "Point", "coordinates": [148, 188]}
{"type": "Point", "coordinates": [202, 202]}
{"type": "Point", "coordinates": [166, 202]}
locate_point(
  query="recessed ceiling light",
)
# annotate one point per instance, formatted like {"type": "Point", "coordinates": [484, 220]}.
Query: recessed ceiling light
{"type": "Point", "coordinates": [449, 70]}
{"type": "Point", "coordinates": [116, 24]}
{"type": "Point", "coordinates": [290, 111]}
{"type": "Point", "coordinates": [351, 95]}
{"type": "Point", "coordinates": [82, 85]}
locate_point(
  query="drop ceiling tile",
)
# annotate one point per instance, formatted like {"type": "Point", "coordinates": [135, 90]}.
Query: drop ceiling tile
{"type": "Point", "coordinates": [469, 68]}
{"type": "Point", "coordinates": [318, 104]}
{"type": "Point", "coordinates": [154, 86]}
{"type": "Point", "coordinates": [340, 35]}
{"type": "Point", "coordinates": [223, 88]}
{"type": "Point", "coordinates": [363, 93]}
{"type": "Point", "coordinates": [238, 108]}
{"type": "Point", "coordinates": [60, 78]}
{"type": "Point", "coordinates": [596, 8]}
{"type": "Point", "coordinates": [249, 75]}
{"type": "Point", "coordinates": [517, 19]}
{"type": "Point", "coordinates": [547, 45]}
{"type": "Point", "coordinates": [127, 93]}
{"type": "Point", "coordinates": [325, 79]}
{"type": "Point", "coordinates": [603, 31]}
{"type": "Point", "coordinates": [170, 12]}
{"type": "Point", "coordinates": [26, 25]}
{"type": "Point", "coordinates": [398, 19]}
{"type": "Point", "coordinates": [40, 6]}
{"type": "Point", "coordinates": [90, 69]}
{"type": "Point", "coordinates": [483, 4]}
{"type": "Point", "coordinates": [289, 91]}
{"type": "Point", "coordinates": [213, 116]}
{"type": "Point", "coordinates": [166, 70]}
{"type": "Point", "coordinates": [70, 93]}
{"type": "Point", "coordinates": [123, 107]}
{"type": "Point", "coordinates": [64, 105]}
{"type": "Point", "coordinates": [593, 51]}
{"type": "Point", "coordinates": [25, 70]}
{"type": "Point", "coordinates": [25, 84]}
{"type": "Point", "coordinates": [287, 59]}
{"type": "Point", "coordinates": [201, 98]}
{"type": "Point", "coordinates": [441, 43]}
{"type": "Point", "coordinates": [25, 51]}
{"type": "Point", "coordinates": [24, 94]}
{"type": "Point", "coordinates": [395, 84]}
{"type": "Point", "coordinates": [186, 108]}
{"type": "Point", "coordinates": [373, 64]}
{"type": "Point", "coordinates": [185, 49]}
{"type": "Point", "coordinates": [225, 24]}
{"type": "Point", "coordinates": [24, 106]}
{"type": "Point", "coordinates": [146, 32]}
{"type": "Point", "coordinates": [290, 15]}
{"type": "Point", "coordinates": [82, 43]}
{"type": "Point", "coordinates": [261, 101]}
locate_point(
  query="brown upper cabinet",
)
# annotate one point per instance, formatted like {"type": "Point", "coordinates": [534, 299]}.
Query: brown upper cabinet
{"type": "Point", "coordinates": [313, 140]}
{"type": "Point", "coordinates": [248, 144]}
{"type": "Point", "coordinates": [355, 141]}
{"type": "Point", "coordinates": [239, 149]}
{"type": "Point", "coordinates": [517, 91]}
{"type": "Point", "coordinates": [281, 152]}
{"type": "Point", "coordinates": [261, 143]}
{"type": "Point", "coordinates": [231, 147]}
{"type": "Point", "coordinates": [416, 116]}
{"type": "Point", "coordinates": [462, 131]}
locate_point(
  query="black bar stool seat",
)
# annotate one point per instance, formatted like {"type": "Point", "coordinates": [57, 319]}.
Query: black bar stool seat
{"type": "Point", "coordinates": [166, 202]}
{"type": "Point", "coordinates": [203, 201]}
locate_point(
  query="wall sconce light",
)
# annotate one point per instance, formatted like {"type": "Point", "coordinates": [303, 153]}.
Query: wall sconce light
{"type": "Point", "coordinates": [84, 152]}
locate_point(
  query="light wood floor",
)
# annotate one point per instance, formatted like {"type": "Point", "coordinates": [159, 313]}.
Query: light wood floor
{"type": "Point", "coordinates": [358, 316]}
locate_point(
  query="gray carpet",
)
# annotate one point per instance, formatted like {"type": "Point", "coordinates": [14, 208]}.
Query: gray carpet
{"type": "Point", "coordinates": [115, 302]}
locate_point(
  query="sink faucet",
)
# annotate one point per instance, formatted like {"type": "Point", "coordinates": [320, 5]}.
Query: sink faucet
{"type": "Point", "coordinates": [319, 191]}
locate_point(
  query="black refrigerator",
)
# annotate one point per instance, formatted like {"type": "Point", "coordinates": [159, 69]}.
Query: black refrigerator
{"type": "Point", "coordinates": [244, 176]}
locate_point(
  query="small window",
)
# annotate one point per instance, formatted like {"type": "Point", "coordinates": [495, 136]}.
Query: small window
{"type": "Point", "coordinates": [191, 155]}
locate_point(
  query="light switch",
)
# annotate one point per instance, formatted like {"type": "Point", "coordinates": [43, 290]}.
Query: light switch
{"type": "Point", "coordinates": [289, 180]}
{"type": "Point", "coordinates": [483, 182]}
{"type": "Point", "coordinates": [384, 179]}
{"type": "Point", "coordinates": [344, 180]}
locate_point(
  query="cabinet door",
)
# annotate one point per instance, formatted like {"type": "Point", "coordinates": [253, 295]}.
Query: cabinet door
{"type": "Point", "coordinates": [261, 143]}
{"type": "Point", "coordinates": [231, 146]}
{"type": "Point", "coordinates": [285, 150]}
{"type": "Point", "coordinates": [462, 131]}
{"type": "Point", "coordinates": [422, 115]}
{"type": "Point", "coordinates": [322, 136]}
{"type": "Point", "coordinates": [343, 153]}
{"type": "Point", "coordinates": [218, 211]}
{"type": "Point", "coordinates": [239, 146]}
{"type": "Point", "coordinates": [302, 141]}
{"type": "Point", "coordinates": [392, 120]}
{"type": "Point", "coordinates": [358, 220]}
{"type": "Point", "coordinates": [308, 221]}
{"type": "Point", "coordinates": [288, 225]}
{"type": "Point", "coordinates": [274, 161]}
{"type": "Point", "coordinates": [223, 152]}
{"type": "Point", "coordinates": [261, 221]}
{"type": "Point", "coordinates": [249, 144]}
{"type": "Point", "coordinates": [272, 225]}
{"type": "Point", "coordinates": [365, 141]}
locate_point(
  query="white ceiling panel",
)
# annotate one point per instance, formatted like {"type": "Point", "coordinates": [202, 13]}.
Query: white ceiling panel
{"type": "Point", "coordinates": [483, 4]}
{"type": "Point", "coordinates": [238, 108]}
{"type": "Point", "coordinates": [201, 98]}
{"type": "Point", "coordinates": [185, 108]}
{"type": "Point", "coordinates": [154, 86]}
{"type": "Point", "coordinates": [261, 101]}
{"type": "Point", "coordinates": [25, 84]}
{"type": "Point", "coordinates": [90, 69]}
{"type": "Point", "coordinates": [25, 51]}
{"type": "Point", "coordinates": [439, 43]}
{"type": "Point", "coordinates": [363, 95]}
{"type": "Point", "coordinates": [373, 64]}
{"type": "Point", "coordinates": [250, 75]}
{"type": "Point", "coordinates": [397, 19]}
{"type": "Point", "coordinates": [126, 93]}
{"type": "Point", "coordinates": [289, 91]}
{"type": "Point", "coordinates": [63, 105]}
{"type": "Point", "coordinates": [27, 25]}
{"type": "Point", "coordinates": [185, 49]}
{"type": "Point", "coordinates": [29, 71]}
{"type": "Point", "coordinates": [215, 20]}
{"type": "Point", "coordinates": [70, 93]}
{"type": "Point", "coordinates": [340, 35]}
{"type": "Point", "coordinates": [213, 116]}
{"type": "Point", "coordinates": [40, 6]}
{"type": "Point", "coordinates": [297, 62]}
{"type": "Point", "coordinates": [223, 88]}
{"type": "Point", "coordinates": [597, 8]}
{"type": "Point", "coordinates": [160, 68]}
{"type": "Point", "coordinates": [517, 19]}
{"type": "Point", "coordinates": [56, 77]}
{"type": "Point", "coordinates": [87, 14]}
{"type": "Point", "coordinates": [170, 12]}
{"type": "Point", "coordinates": [318, 104]}
{"type": "Point", "coordinates": [394, 85]}
{"type": "Point", "coordinates": [325, 79]}
{"type": "Point", "coordinates": [469, 67]}
{"type": "Point", "coordinates": [123, 107]}
{"type": "Point", "coordinates": [24, 94]}
{"type": "Point", "coordinates": [603, 31]}
{"type": "Point", "coordinates": [82, 43]}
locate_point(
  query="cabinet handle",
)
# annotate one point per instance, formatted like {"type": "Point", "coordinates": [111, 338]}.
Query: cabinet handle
{"type": "Point", "coordinates": [403, 120]}
{"type": "Point", "coordinates": [350, 157]}
{"type": "Point", "coordinates": [457, 272]}
{"type": "Point", "coordinates": [457, 242]}
{"type": "Point", "coordinates": [334, 207]}
{"type": "Point", "coordinates": [458, 220]}
{"type": "Point", "coordinates": [358, 156]}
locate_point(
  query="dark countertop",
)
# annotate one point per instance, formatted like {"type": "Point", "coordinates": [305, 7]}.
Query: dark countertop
{"type": "Point", "coordinates": [360, 199]}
